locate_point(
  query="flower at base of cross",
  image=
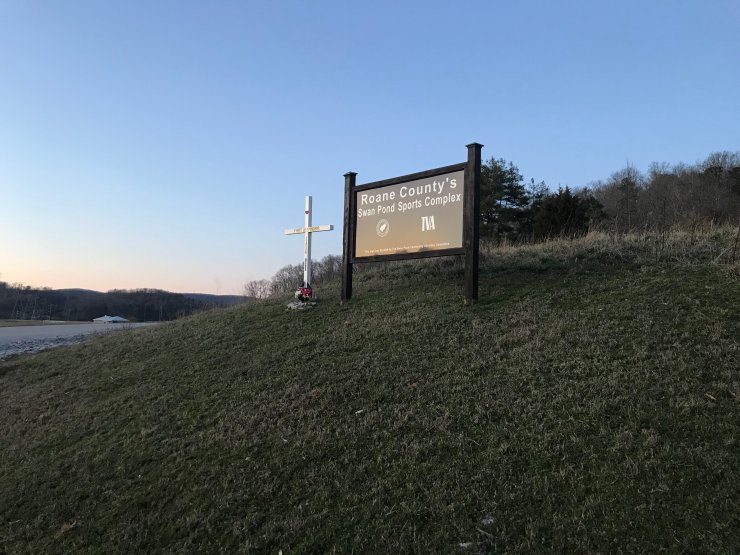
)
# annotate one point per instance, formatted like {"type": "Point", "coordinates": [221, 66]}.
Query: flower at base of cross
{"type": "Point", "coordinates": [304, 294]}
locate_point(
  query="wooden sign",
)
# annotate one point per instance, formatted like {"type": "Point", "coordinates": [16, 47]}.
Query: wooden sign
{"type": "Point", "coordinates": [429, 213]}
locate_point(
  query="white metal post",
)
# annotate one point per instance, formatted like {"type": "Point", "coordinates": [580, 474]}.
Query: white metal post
{"type": "Point", "coordinates": [307, 245]}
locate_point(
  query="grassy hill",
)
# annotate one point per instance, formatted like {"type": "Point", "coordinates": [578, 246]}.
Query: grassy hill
{"type": "Point", "coordinates": [588, 403]}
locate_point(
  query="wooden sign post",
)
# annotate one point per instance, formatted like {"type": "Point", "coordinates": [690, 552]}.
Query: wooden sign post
{"type": "Point", "coordinates": [429, 213]}
{"type": "Point", "coordinates": [471, 225]}
{"type": "Point", "coordinates": [307, 230]}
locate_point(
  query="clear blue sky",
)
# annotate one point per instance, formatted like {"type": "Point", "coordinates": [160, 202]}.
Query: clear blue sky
{"type": "Point", "coordinates": [168, 144]}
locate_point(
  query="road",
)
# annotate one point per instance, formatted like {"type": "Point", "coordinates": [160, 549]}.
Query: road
{"type": "Point", "coordinates": [29, 339]}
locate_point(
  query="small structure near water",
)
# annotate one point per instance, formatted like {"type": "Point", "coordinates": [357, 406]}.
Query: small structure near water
{"type": "Point", "coordinates": [110, 320]}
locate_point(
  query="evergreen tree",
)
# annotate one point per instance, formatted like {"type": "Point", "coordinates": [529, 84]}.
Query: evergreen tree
{"type": "Point", "coordinates": [503, 199]}
{"type": "Point", "coordinates": [566, 214]}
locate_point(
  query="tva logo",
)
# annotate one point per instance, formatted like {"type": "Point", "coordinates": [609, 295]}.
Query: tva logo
{"type": "Point", "coordinates": [427, 223]}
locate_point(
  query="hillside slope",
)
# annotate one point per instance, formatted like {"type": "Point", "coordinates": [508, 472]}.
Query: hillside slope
{"type": "Point", "coordinates": [588, 402]}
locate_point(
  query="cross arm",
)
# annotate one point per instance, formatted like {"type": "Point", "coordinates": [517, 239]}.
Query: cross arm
{"type": "Point", "coordinates": [312, 229]}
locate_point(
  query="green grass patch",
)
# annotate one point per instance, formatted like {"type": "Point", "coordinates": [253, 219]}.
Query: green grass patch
{"type": "Point", "coordinates": [587, 403]}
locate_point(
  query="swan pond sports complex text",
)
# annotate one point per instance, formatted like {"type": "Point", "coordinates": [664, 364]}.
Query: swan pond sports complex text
{"type": "Point", "coordinates": [429, 213]}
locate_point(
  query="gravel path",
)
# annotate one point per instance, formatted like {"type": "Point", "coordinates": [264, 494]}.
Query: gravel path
{"type": "Point", "coordinates": [33, 339]}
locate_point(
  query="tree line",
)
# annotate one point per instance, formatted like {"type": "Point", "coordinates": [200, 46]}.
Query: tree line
{"type": "Point", "coordinates": [22, 302]}
{"type": "Point", "coordinates": [667, 196]}
{"type": "Point", "coordinates": [290, 277]}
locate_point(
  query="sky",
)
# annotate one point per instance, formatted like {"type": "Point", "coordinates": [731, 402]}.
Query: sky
{"type": "Point", "coordinates": [168, 144]}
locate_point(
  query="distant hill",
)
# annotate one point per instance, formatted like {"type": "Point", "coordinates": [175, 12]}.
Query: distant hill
{"type": "Point", "coordinates": [588, 403]}
{"type": "Point", "coordinates": [78, 291]}
{"type": "Point", "coordinates": [77, 304]}
{"type": "Point", "coordinates": [222, 300]}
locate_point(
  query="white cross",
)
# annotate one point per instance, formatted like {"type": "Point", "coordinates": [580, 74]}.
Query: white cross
{"type": "Point", "coordinates": [307, 230]}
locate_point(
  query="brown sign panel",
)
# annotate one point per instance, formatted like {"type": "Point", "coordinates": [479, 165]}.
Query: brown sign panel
{"type": "Point", "coordinates": [430, 213]}
{"type": "Point", "coordinates": [422, 215]}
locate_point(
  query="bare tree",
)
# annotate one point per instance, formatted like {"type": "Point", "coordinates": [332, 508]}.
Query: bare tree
{"type": "Point", "coordinates": [327, 269]}
{"type": "Point", "coordinates": [288, 278]}
{"type": "Point", "coordinates": [257, 289]}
